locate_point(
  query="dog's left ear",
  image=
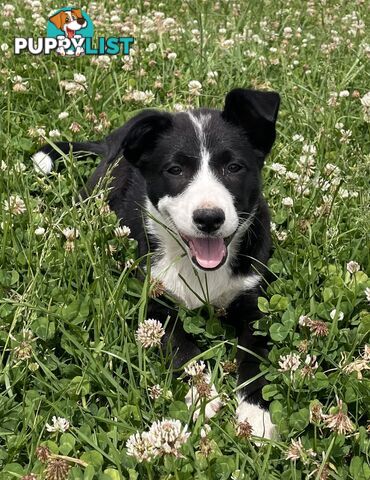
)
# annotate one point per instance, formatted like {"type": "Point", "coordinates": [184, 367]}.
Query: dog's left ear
{"type": "Point", "coordinates": [256, 113]}
{"type": "Point", "coordinates": [59, 19]}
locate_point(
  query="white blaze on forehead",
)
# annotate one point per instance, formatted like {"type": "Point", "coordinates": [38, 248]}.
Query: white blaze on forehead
{"type": "Point", "coordinates": [200, 125]}
{"type": "Point", "coordinates": [204, 191]}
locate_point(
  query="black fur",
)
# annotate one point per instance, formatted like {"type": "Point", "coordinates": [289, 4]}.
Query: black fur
{"type": "Point", "coordinates": [153, 146]}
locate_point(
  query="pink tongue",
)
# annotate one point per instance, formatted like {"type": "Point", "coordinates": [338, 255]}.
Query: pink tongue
{"type": "Point", "coordinates": [70, 33]}
{"type": "Point", "coordinates": [209, 252]}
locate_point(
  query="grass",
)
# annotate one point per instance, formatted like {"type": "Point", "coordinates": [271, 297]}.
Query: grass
{"type": "Point", "coordinates": [69, 310]}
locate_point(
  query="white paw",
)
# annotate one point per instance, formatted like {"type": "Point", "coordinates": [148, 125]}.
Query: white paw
{"type": "Point", "coordinates": [258, 418]}
{"type": "Point", "coordinates": [213, 404]}
{"type": "Point", "coordinates": [42, 163]}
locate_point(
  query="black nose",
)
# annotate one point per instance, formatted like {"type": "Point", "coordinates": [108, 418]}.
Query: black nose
{"type": "Point", "coordinates": [208, 219]}
{"type": "Point", "coordinates": [81, 21]}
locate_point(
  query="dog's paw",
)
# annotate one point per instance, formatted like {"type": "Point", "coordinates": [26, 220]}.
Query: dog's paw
{"type": "Point", "coordinates": [42, 163]}
{"type": "Point", "coordinates": [258, 418]}
{"type": "Point", "coordinates": [213, 404]}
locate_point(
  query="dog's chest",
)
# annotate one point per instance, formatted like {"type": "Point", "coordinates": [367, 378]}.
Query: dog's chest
{"type": "Point", "coordinates": [193, 288]}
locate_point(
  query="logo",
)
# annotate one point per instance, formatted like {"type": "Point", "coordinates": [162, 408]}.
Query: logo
{"type": "Point", "coordinates": [70, 31]}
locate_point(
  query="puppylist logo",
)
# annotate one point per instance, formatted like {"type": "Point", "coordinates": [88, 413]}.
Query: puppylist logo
{"type": "Point", "coordinates": [70, 31]}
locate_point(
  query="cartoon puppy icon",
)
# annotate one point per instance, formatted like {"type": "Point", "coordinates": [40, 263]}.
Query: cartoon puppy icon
{"type": "Point", "coordinates": [70, 22]}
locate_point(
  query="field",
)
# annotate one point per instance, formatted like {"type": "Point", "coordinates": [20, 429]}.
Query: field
{"type": "Point", "coordinates": [70, 302]}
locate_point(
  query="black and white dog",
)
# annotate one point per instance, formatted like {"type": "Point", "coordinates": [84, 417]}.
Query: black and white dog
{"type": "Point", "coordinates": [191, 182]}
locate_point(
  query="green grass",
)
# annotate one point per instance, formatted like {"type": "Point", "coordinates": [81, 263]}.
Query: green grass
{"type": "Point", "coordinates": [68, 318]}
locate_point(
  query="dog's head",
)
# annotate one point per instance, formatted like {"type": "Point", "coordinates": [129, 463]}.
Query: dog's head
{"type": "Point", "coordinates": [202, 168]}
{"type": "Point", "coordinates": [69, 21]}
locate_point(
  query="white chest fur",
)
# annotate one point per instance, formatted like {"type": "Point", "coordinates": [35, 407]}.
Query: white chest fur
{"type": "Point", "coordinates": [194, 288]}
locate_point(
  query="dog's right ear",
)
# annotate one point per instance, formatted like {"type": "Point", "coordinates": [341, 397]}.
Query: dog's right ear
{"type": "Point", "coordinates": [255, 112]}
{"type": "Point", "coordinates": [142, 133]}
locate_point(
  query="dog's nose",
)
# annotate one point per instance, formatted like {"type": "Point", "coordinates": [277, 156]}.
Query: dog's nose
{"type": "Point", "coordinates": [208, 220]}
{"type": "Point", "coordinates": [81, 21]}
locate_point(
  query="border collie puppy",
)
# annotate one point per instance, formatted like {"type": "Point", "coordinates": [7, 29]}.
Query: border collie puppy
{"type": "Point", "coordinates": [189, 187]}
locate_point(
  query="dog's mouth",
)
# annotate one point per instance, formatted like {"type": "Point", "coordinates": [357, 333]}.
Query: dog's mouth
{"type": "Point", "coordinates": [70, 32]}
{"type": "Point", "coordinates": [208, 253]}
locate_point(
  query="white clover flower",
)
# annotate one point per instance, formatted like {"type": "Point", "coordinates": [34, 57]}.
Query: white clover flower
{"type": "Point", "coordinates": [78, 77]}
{"type": "Point", "coordinates": [4, 47]}
{"type": "Point", "coordinates": [353, 267]}
{"type": "Point", "coordinates": [343, 94]}
{"type": "Point", "coordinates": [122, 232]}
{"type": "Point", "coordinates": [60, 424]}
{"type": "Point", "coordinates": [15, 205]}
{"type": "Point", "coordinates": [146, 97]}
{"type": "Point", "coordinates": [150, 333]}
{"type": "Point", "coordinates": [178, 107]}
{"type": "Point", "coordinates": [194, 369]}
{"type": "Point", "coordinates": [289, 363]}
{"type": "Point", "coordinates": [297, 451]}
{"type": "Point", "coordinates": [151, 47]}
{"type": "Point", "coordinates": [167, 437]}
{"type": "Point", "coordinates": [71, 233]}
{"type": "Point", "coordinates": [298, 138]}
{"type": "Point", "coordinates": [63, 115]}
{"type": "Point", "coordinates": [155, 392]}
{"type": "Point", "coordinates": [75, 86]}
{"type": "Point", "coordinates": [331, 169]}
{"type": "Point", "coordinates": [164, 437]}
{"type": "Point", "coordinates": [333, 314]}
{"type": "Point", "coordinates": [54, 133]}
{"type": "Point", "coordinates": [138, 446]}
{"type": "Point", "coordinates": [39, 231]}
{"type": "Point", "coordinates": [292, 176]}
{"type": "Point", "coordinates": [195, 87]}
{"type": "Point", "coordinates": [278, 168]}
{"type": "Point", "coordinates": [287, 202]}
{"type": "Point", "coordinates": [172, 56]}
{"type": "Point", "coordinates": [339, 422]}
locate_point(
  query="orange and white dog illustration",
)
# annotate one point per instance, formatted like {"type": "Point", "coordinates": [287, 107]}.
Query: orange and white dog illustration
{"type": "Point", "coordinates": [69, 22]}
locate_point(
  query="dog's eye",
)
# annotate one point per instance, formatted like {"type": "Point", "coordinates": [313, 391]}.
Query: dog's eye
{"type": "Point", "coordinates": [233, 168]}
{"type": "Point", "coordinates": [67, 20]}
{"type": "Point", "coordinates": [74, 18]}
{"type": "Point", "coordinates": [175, 170]}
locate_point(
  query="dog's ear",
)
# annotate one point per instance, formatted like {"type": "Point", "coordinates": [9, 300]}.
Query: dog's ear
{"type": "Point", "coordinates": [59, 19]}
{"type": "Point", "coordinates": [142, 133]}
{"type": "Point", "coordinates": [256, 113]}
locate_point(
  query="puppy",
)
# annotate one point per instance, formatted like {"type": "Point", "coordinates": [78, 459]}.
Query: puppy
{"type": "Point", "coordinates": [189, 187]}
